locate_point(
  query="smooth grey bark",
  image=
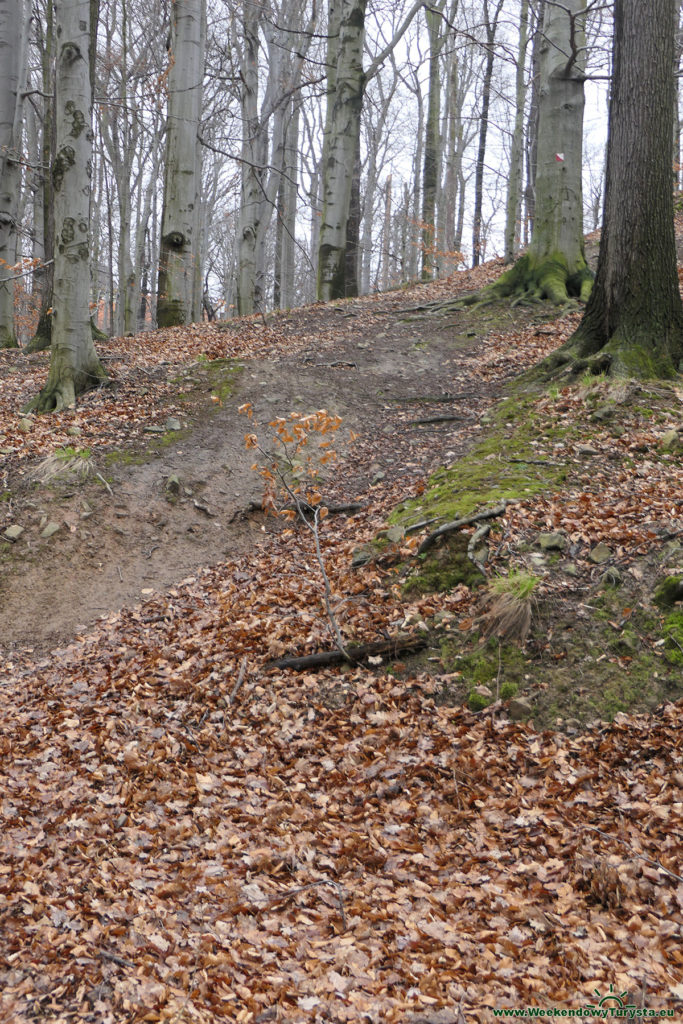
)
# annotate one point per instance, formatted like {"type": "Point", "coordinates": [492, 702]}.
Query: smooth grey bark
{"type": "Point", "coordinates": [74, 365]}
{"type": "Point", "coordinates": [633, 322]}
{"type": "Point", "coordinates": [554, 267]}
{"type": "Point", "coordinates": [13, 42]}
{"type": "Point", "coordinates": [432, 150]}
{"type": "Point", "coordinates": [43, 277]}
{"type": "Point", "coordinates": [179, 246]}
{"type": "Point", "coordinates": [341, 147]}
{"type": "Point", "coordinates": [514, 196]}
{"type": "Point", "coordinates": [532, 123]}
{"type": "Point", "coordinates": [264, 136]}
{"type": "Point", "coordinates": [491, 24]}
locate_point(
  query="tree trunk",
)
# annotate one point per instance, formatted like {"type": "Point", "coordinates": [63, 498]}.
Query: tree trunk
{"type": "Point", "coordinates": [432, 150]}
{"type": "Point", "coordinates": [342, 144]}
{"type": "Point", "coordinates": [514, 198]}
{"type": "Point", "coordinates": [74, 366]}
{"type": "Point", "coordinates": [491, 28]}
{"type": "Point", "coordinates": [532, 124]}
{"type": "Point", "coordinates": [45, 275]}
{"type": "Point", "coordinates": [12, 52]}
{"type": "Point", "coordinates": [555, 266]}
{"type": "Point", "coordinates": [633, 323]}
{"type": "Point", "coordinates": [178, 244]}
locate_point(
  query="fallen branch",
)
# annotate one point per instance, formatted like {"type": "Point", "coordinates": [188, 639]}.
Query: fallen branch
{"type": "Point", "coordinates": [457, 524]}
{"type": "Point", "coordinates": [477, 536]}
{"type": "Point", "coordinates": [434, 419]}
{"type": "Point", "coordinates": [354, 655]}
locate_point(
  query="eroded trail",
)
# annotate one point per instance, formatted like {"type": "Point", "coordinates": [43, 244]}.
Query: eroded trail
{"type": "Point", "coordinates": [413, 389]}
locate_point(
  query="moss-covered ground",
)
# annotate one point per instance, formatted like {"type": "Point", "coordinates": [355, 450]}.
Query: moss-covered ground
{"type": "Point", "coordinates": [599, 644]}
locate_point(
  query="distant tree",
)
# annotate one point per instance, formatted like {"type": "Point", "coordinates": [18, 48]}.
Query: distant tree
{"type": "Point", "coordinates": [74, 365]}
{"type": "Point", "coordinates": [13, 41]}
{"type": "Point", "coordinates": [554, 267]}
{"type": "Point", "coordinates": [182, 178]}
{"type": "Point", "coordinates": [633, 323]}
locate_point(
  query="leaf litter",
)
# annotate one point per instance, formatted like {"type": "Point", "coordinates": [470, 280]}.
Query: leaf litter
{"type": "Point", "coordinates": [337, 845]}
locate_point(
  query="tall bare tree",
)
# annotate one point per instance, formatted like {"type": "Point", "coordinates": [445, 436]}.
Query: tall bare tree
{"type": "Point", "coordinates": [13, 42]}
{"type": "Point", "coordinates": [182, 175]}
{"type": "Point", "coordinates": [633, 323]}
{"type": "Point", "coordinates": [74, 365]}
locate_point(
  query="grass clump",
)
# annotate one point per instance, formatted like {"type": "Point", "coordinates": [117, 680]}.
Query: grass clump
{"type": "Point", "coordinates": [510, 611]}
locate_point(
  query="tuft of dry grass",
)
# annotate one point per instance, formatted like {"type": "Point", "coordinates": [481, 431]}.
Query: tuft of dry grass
{"type": "Point", "coordinates": [510, 612]}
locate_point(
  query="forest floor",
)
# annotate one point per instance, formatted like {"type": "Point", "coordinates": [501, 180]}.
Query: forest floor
{"type": "Point", "coordinates": [189, 833]}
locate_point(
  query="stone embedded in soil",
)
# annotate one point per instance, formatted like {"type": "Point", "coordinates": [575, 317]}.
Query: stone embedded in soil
{"type": "Point", "coordinates": [13, 532]}
{"type": "Point", "coordinates": [611, 578]}
{"type": "Point", "coordinates": [671, 441]}
{"type": "Point", "coordinates": [600, 553]}
{"type": "Point", "coordinates": [520, 710]}
{"type": "Point", "coordinates": [74, 431]}
{"type": "Point", "coordinates": [172, 423]}
{"type": "Point", "coordinates": [25, 426]}
{"type": "Point", "coordinates": [395, 534]}
{"type": "Point", "coordinates": [483, 691]}
{"type": "Point", "coordinates": [173, 484]}
{"type": "Point", "coordinates": [552, 541]}
{"type": "Point", "coordinates": [49, 530]}
{"type": "Point", "coordinates": [153, 429]}
{"type": "Point", "coordinates": [586, 449]}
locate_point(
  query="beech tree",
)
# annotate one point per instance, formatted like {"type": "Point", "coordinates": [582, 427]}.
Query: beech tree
{"type": "Point", "coordinates": [554, 267]}
{"type": "Point", "coordinates": [74, 365]}
{"type": "Point", "coordinates": [633, 323]}
{"type": "Point", "coordinates": [13, 26]}
{"type": "Point", "coordinates": [345, 87]}
{"type": "Point", "coordinates": [182, 176]}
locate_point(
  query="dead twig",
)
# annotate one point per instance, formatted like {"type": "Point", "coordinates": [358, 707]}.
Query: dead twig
{"type": "Point", "coordinates": [476, 537]}
{"type": "Point", "coordinates": [240, 680]}
{"type": "Point", "coordinates": [640, 856]}
{"type": "Point", "coordinates": [457, 524]}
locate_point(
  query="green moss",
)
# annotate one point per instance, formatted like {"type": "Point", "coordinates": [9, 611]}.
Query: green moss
{"type": "Point", "coordinates": [72, 453]}
{"type": "Point", "coordinates": [477, 702]}
{"type": "Point", "coordinates": [488, 473]}
{"type": "Point", "coordinates": [6, 496]}
{"type": "Point", "coordinates": [667, 593]}
{"type": "Point", "coordinates": [673, 631]}
{"type": "Point", "coordinates": [444, 568]}
{"type": "Point", "coordinates": [508, 691]}
{"type": "Point", "coordinates": [124, 458]}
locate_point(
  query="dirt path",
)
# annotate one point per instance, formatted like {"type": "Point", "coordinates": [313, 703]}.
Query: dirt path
{"type": "Point", "coordinates": [117, 545]}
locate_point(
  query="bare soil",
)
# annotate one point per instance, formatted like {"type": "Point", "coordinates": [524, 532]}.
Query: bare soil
{"type": "Point", "coordinates": [123, 534]}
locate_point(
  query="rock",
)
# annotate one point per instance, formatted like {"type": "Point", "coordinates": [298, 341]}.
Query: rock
{"type": "Point", "coordinates": [173, 484]}
{"type": "Point", "coordinates": [173, 423]}
{"type": "Point", "coordinates": [604, 412]}
{"type": "Point", "coordinates": [520, 710]}
{"type": "Point", "coordinates": [553, 541]}
{"type": "Point", "coordinates": [483, 691]}
{"type": "Point", "coordinates": [25, 425]}
{"type": "Point", "coordinates": [74, 431]}
{"type": "Point", "coordinates": [668, 592]}
{"type": "Point", "coordinates": [153, 429]}
{"type": "Point", "coordinates": [537, 558]}
{"type": "Point", "coordinates": [600, 553]}
{"type": "Point", "coordinates": [13, 532]}
{"type": "Point", "coordinates": [571, 569]}
{"type": "Point", "coordinates": [395, 534]}
{"type": "Point", "coordinates": [586, 449]}
{"type": "Point", "coordinates": [49, 530]}
{"type": "Point", "coordinates": [612, 577]}
{"type": "Point", "coordinates": [671, 441]}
